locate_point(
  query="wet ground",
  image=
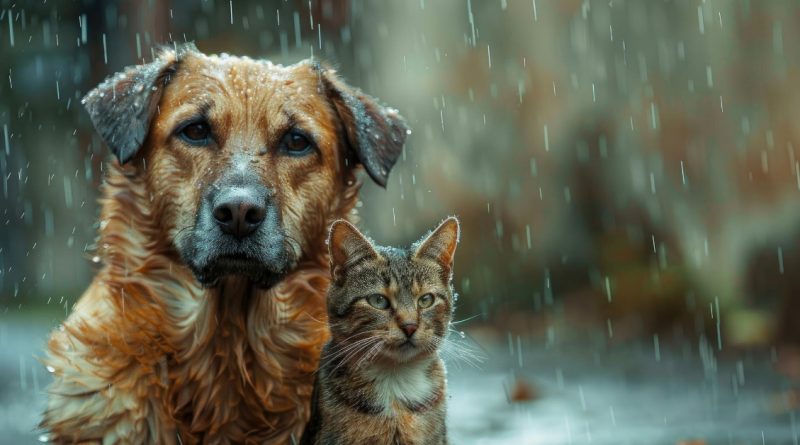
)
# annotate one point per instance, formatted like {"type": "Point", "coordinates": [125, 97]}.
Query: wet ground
{"type": "Point", "coordinates": [582, 392]}
{"type": "Point", "coordinates": [624, 395]}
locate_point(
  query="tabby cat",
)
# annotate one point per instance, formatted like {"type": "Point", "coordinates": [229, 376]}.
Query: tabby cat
{"type": "Point", "coordinates": [381, 380]}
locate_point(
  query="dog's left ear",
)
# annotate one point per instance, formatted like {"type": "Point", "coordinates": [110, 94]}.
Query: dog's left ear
{"type": "Point", "coordinates": [122, 107]}
{"type": "Point", "coordinates": [374, 132]}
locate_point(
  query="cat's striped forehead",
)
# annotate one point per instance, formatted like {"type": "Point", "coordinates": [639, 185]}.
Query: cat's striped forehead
{"type": "Point", "coordinates": [395, 274]}
{"type": "Point", "coordinates": [398, 269]}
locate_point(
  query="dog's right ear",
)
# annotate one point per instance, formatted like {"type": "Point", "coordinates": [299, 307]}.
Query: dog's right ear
{"type": "Point", "coordinates": [122, 107]}
{"type": "Point", "coordinates": [375, 133]}
{"type": "Point", "coordinates": [347, 247]}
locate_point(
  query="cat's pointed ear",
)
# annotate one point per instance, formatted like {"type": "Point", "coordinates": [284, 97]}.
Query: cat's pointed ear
{"type": "Point", "coordinates": [375, 133]}
{"type": "Point", "coordinates": [347, 247]}
{"type": "Point", "coordinates": [440, 245]}
{"type": "Point", "coordinates": [122, 107]}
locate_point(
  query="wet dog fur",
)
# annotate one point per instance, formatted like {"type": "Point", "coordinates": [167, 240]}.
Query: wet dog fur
{"type": "Point", "coordinates": [188, 334]}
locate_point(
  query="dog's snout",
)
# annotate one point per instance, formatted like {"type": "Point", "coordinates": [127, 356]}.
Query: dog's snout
{"type": "Point", "coordinates": [240, 212]}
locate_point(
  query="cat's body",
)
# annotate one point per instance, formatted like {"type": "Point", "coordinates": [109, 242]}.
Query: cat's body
{"type": "Point", "coordinates": [381, 407]}
{"type": "Point", "coordinates": [381, 380]}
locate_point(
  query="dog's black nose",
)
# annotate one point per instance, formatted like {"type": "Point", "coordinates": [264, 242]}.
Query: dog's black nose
{"type": "Point", "coordinates": [239, 212]}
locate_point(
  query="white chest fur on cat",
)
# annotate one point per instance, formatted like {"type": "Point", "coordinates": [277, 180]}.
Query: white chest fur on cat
{"type": "Point", "coordinates": [409, 384]}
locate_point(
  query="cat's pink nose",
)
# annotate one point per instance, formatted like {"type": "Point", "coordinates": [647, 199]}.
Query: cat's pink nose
{"type": "Point", "coordinates": [409, 329]}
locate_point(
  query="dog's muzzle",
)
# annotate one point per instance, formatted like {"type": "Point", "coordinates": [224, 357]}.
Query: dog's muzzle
{"type": "Point", "coordinates": [238, 232]}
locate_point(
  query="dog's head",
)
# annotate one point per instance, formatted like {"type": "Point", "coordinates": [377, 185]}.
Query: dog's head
{"type": "Point", "coordinates": [246, 162]}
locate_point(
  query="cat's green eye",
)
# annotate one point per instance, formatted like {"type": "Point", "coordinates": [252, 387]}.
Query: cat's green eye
{"type": "Point", "coordinates": [425, 301]}
{"type": "Point", "coordinates": [378, 301]}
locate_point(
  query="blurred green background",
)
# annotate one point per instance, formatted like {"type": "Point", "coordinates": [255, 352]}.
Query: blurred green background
{"type": "Point", "coordinates": [625, 169]}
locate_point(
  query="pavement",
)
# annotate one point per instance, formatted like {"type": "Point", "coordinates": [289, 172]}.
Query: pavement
{"type": "Point", "coordinates": [580, 392]}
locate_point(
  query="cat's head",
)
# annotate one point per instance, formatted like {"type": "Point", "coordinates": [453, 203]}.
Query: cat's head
{"type": "Point", "coordinates": [396, 303]}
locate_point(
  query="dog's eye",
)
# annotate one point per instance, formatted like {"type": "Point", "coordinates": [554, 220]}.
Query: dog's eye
{"type": "Point", "coordinates": [196, 133]}
{"type": "Point", "coordinates": [296, 144]}
{"type": "Point", "coordinates": [378, 301]}
{"type": "Point", "coordinates": [425, 301]}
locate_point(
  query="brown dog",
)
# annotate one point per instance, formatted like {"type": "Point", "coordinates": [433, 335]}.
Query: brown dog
{"type": "Point", "coordinates": [205, 323]}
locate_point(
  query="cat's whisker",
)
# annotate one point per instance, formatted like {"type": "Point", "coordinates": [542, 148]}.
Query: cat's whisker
{"type": "Point", "coordinates": [345, 359]}
{"type": "Point", "coordinates": [464, 339]}
{"type": "Point", "coordinates": [354, 353]}
{"type": "Point", "coordinates": [463, 346]}
{"type": "Point", "coordinates": [459, 360]}
{"type": "Point", "coordinates": [457, 352]}
{"type": "Point", "coordinates": [431, 349]}
{"type": "Point", "coordinates": [360, 351]}
{"type": "Point", "coordinates": [465, 319]}
{"type": "Point", "coordinates": [371, 354]}
{"type": "Point", "coordinates": [376, 350]}
{"type": "Point", "coordinates": [349, 357]}
{"type": "Point", "coordinates": [347, 348]}
{"type": "Point", "coordinates": [334, 357]}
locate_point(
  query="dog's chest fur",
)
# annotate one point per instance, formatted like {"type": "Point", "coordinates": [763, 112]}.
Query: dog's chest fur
{"type": "Point", "coordinates": [148, 356]}
{"type": "Point", "coordinates": [248, 374]}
